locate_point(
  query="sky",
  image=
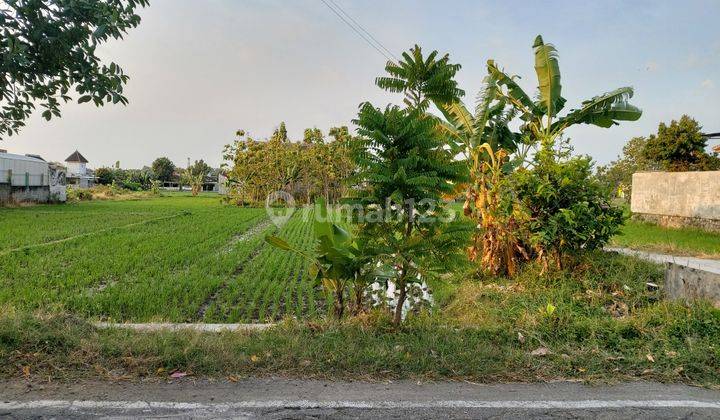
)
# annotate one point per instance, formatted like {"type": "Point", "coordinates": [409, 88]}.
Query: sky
{"type": "Point", "coordinates": [201, 70]}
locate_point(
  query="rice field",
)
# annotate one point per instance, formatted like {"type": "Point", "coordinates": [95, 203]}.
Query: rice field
{"type": "Point", "coordinates": [175, 258]}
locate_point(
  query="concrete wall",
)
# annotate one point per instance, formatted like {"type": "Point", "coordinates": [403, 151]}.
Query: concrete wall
{"type": "Point", "coordinates": [11, 194]}
{"type": "Point", "coordinates": [693, 197]}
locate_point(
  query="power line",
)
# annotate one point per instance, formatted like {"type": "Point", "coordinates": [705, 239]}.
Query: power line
{"type": "Point", "coordinates": [356, 31]}
{"type": "Point", "coordinates": [360, 34]}
{"type": "Point", "coordinates": [363, 29]}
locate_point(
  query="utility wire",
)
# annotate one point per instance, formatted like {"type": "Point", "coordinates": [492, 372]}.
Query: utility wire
{"type": "Point", "coordinates": [363, 29]}
{"type": "Point", "coordinates": [360, 34]}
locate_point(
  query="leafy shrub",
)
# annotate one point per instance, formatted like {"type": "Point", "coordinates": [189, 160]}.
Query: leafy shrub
{"type": "Point", "coordinates": [79, 194]}
{"type": "Point", "coordinates": [105, 176]}
{"type": "Point", "coordinates": [568, 209]}
{"type": "Point", "coordinates": [104, 192]}
{"type": "Point", "coordinates": [130, 185]}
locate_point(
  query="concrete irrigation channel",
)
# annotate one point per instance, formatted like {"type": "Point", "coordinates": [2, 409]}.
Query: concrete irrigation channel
{"type": "Point", "coordinates": [686, 278]}
{"type": "Point", "coordinates": [167, 326]}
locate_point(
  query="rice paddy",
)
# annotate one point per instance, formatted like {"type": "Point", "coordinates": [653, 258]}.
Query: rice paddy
{"type": "Point", "coordinates": [175, 258]}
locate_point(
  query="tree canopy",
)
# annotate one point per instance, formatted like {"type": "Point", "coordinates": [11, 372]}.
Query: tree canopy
{"type": "Point", "coordinates": [49, 48]}
{"type": "Point", "coordinates": [306, 169]}
{"type": "Point", "coordinates": [680, 146]}
{"type": "Point", "coordinates": [618, 174]}
{"type": "Point", "coordinates": [163, 168]}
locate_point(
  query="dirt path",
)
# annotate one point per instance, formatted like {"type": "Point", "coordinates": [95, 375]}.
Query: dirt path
{"type": "Point", "coordinates": [281, 398]}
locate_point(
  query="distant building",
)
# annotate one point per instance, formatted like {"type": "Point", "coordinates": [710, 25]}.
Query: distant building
{"type": "Point", "coordinates": [713, 136]}
{"type": "Point", "coordinates": [78, 174]}
{"type": "Point", "coordinates": [210, 184]}
{"type": "Point", "coordinates": [29, 178]}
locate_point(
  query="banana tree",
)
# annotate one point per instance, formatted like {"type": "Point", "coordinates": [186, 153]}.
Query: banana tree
{"type": "Point", "coordinates": [540, 118]}
{"type": "Point", "coordinates": [194, 180]}
{"type": "Point", "coordinates": [339, 260]}
{"type": "Point", "coordinates": [430, 79]}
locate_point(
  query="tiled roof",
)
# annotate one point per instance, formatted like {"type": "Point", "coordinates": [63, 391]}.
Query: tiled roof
{"type": "Point", "coordinates": [76, 157]}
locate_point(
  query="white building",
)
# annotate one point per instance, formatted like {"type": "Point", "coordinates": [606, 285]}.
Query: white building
{"type": "Point", "coordinates": [78, 174]}
{"type": "Point", "coordinates": [28, 178]}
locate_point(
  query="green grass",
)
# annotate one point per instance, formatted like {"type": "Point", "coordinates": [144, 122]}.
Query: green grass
{"type": "Point", "coordinates": [174, 258]}
{"type": "Point", "coordinates": [483, 331]}
{"type": "Point", "coordinates": [684, 241]}
{"type": "Point", "coordinates": [181, 258]}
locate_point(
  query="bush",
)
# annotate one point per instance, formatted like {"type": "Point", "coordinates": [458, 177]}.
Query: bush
{"type": "Point", "coordinates": [568, 209]}
{"type": "Point", "coordinates": [105, 176]}
{"type": "Point", "coordinates": [79, 194]}
{"type": "Point", "coordinates": [130, 185]}
{"type": "Point", "coordinates": [106, 192]}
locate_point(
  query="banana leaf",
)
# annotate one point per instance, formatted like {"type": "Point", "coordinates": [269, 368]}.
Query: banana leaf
{"type": "Point", "coordinates": [547, 69]}
{"type": "Point", "coordinates": [515, 92]}
{"type": "Point", "coordinates": [603, 110]}
{"type": "Point", "coordinates": [458, 116]}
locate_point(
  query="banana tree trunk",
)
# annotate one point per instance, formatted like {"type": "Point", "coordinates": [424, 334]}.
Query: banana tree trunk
{"type": "Point", "coordinates": [339, 303]}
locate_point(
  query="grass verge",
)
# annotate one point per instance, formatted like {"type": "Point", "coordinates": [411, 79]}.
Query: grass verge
{"type": "Point", "coordinates": [598, 322]}
{"type": "Point", "coordinates": [683, 241]}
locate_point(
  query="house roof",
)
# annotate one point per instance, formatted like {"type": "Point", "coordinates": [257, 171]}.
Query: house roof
{"type": "Point", "coordinates": [76, 157]}
{"type": "Point", "coordinates": [34, 156]}
{"type": "Point", "coordinates": [21, 157]}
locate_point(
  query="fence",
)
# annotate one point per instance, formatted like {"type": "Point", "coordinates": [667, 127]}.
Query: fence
{"type": "Point", "coordinates": [24, 179]}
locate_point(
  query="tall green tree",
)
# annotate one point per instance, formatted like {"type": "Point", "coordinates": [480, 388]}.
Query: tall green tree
{"type": "Point", "coordinates": [49, 47]}
{"type": "Point", "coordinates": [163, 168]}
{"type": "Point", "coordinates": [403, 170]}
{"type": "Point", "coordinates": [680, 146]}
{"type": "Point", "coordinates": [422, 79]}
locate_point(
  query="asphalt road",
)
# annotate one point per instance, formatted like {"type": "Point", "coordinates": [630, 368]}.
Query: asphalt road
{"type": "Point", "coordinates": [281, 398]}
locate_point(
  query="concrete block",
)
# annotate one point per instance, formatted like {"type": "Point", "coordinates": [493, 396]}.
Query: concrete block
{"type": "Point", "coordinates": [686, 283]}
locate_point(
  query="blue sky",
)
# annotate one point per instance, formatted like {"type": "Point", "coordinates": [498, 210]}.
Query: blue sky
{"type": "Point", "coordinates": [200, 70]}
